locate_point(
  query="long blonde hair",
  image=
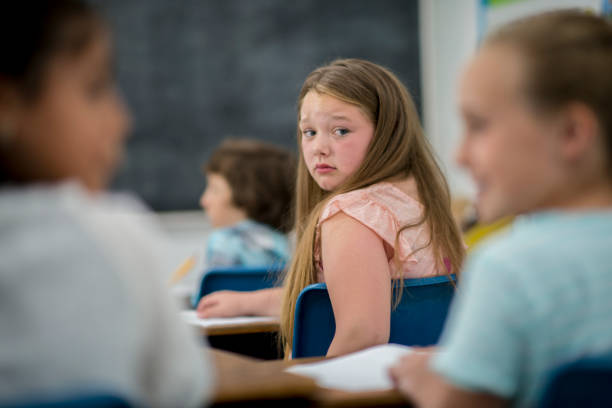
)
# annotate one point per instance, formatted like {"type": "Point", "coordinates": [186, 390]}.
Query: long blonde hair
{"type": "Point", "coordinates": [398, 149]}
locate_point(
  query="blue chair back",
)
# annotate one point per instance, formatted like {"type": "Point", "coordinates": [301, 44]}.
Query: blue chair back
{"type": "Point", "coordinates": [238, 278]}
{"type": "Point", "coordinates": [85, 401]}
{"type": "Point", "coordinates": [582, 383]}
{"type": "Point", "coordinates": [417, 321]}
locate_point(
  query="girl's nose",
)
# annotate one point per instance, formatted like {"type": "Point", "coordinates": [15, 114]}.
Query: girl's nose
{"type": "Point", "coordinates": [321, 145]}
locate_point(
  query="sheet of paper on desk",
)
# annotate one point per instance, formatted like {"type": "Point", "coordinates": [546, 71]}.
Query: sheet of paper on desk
{"type": "Point", "coordinates": [190, 317]}
{"type": "Point", "coordinates": [365, 370]}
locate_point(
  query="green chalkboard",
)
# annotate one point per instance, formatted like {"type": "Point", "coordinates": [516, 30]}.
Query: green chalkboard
{"type": "Point", "coordinates": [196, 71]}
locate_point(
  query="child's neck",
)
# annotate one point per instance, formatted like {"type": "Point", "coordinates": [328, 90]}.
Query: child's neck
{"type": "Point", "coordinates": [408, 185]}
{"type": "Point", "coordinates": [586, 197]}
{"type": "Point", "coordinates": [233, 216]}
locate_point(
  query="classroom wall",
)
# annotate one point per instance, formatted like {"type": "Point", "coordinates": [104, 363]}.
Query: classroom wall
{"type": "Point", "coordinates": [448, 39]}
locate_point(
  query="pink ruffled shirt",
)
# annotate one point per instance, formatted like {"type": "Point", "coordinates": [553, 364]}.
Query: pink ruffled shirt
{"type": "Point", "coordinates": [385, 209]}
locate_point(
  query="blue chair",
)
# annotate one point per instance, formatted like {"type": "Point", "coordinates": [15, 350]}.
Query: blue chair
{"type": "Point", "coordinates": [580, 383]}
{"type": "Point", "coordinates": [85, 401]}
{"type": "Point", "coordinates": [417, 321]}
{"type": "Point", "coordinates": [238, 278]}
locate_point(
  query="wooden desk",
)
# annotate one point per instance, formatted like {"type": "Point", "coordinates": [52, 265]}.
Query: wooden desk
{"type": "Point", "coordinates": [248, 380]}
{"type": "Point", "coordinates": [246, 328]}
{"type": "Point", "coordinates": [244, 381]}
{"type": "Point", "coordinates": [255, 337]}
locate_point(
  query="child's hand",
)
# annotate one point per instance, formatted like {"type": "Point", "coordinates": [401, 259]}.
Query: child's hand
{"type": "Point", "coordinates": [413, 378]}
{"type": "Point", "coordinates": [410, 373]}
{"type": "Point", "coordinates": [224, 303]}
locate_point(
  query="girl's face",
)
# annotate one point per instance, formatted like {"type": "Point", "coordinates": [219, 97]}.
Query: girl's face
{"type": "Point", "coordinates": [76, 126]}
{"type": "Point", "coordinates": [335, 138]}
{"type": "Point", "coordinates": [512, 153]}
{"type": "Point", "coordinates": [218, 203]}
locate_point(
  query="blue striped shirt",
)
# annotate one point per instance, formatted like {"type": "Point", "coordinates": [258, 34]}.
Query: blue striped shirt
{"type": "Point", "coordinates": [531, 299]}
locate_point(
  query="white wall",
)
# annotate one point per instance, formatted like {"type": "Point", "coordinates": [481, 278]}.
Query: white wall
{"type": "Point", "coordinates": [448, 33]}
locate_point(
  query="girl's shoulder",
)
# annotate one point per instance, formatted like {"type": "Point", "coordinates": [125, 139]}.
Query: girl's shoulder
{"type": "Point", "coordinates": [387, 209]}
{"type": "Point", "coordinates": [381, 200]}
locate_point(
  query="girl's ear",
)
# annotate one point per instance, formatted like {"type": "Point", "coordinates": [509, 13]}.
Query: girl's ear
{"type": "Point", "coordinates": [580, 133]}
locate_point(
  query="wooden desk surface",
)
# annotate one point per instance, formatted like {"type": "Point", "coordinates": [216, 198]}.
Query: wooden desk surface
{"type": "Point", "coordinates": [255, 327]}
{"type": "Point", "coordinates": [242, 378]}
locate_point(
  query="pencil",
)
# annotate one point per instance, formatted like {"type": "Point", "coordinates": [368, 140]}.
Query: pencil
{"type": "Point", "coordinates": [182, 270]}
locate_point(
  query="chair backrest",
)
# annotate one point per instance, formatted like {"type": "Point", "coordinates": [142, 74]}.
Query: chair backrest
{"type": "Point", "coordinates": [81, 401]}
{"type": "Point", "coordinates": [238, 278]}
{"type": "Point", "coordinates": [417, 321]}
{"type": "Point", "coordinates": [581, 383]}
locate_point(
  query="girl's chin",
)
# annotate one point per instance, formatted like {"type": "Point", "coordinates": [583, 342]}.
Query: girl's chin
{"type": "Point", "coordinates": [484, 210]}
{"type": "Point", "coordinates": [326, 185]}
{"type": "Point", "coordinates": [490, 213]}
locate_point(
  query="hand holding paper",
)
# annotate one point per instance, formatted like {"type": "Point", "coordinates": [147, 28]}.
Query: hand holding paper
{"type": "Point", "coordinates": [366, 370]}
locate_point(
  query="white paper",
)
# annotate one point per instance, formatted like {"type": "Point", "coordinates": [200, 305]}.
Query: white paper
{"type": "Point", "coordinates": [366, 370]}
{"type": "Point", "coordinates": [190, 317]}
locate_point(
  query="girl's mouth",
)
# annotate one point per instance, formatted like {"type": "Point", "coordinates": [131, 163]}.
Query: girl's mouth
{"type": "Point", "coordinates": [324, 168]}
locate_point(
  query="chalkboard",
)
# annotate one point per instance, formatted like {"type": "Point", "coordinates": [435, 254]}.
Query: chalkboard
{"type": "Point", "coordinates": [196, 71]}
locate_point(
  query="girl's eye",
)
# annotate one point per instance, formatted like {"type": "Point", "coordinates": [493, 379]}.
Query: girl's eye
{"type": "Point", "coordinates": [341, 132]}
{"type": "Point", "coordinates": [308, 133]}
{"type": "Point", "coordinates": [475, 124]}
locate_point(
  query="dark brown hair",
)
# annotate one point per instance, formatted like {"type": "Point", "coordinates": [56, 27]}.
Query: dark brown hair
{"type": "Point", "coordinates": [261, 177]}
{"type": "Point", "coordinates": [568, 55]}
{"type": "Point", "coordinates": [34, 32]}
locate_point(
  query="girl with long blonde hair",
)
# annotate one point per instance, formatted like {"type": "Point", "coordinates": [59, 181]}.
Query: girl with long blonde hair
{"type": "Point", "coordinates": [372, 205]}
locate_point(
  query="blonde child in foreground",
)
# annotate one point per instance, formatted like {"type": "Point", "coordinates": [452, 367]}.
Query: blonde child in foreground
{"type": "Point", "coordinates": [83, 307]}
{"type": "Point", "coordinates": [371, 204]}
{"type": "Point", "coordinates": [536, 102]}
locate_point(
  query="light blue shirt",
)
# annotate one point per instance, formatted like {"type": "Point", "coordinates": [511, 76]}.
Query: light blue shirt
{"type": "Point", "coordinates": [531, 299]}
{"type": "Point", "coordinates": [247, 243]}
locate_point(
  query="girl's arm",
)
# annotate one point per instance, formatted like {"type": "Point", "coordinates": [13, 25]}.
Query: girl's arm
{"type": "Point", "coordinates": [359, 284]}
{"type": "Point", "coordinates": [225, 303]}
